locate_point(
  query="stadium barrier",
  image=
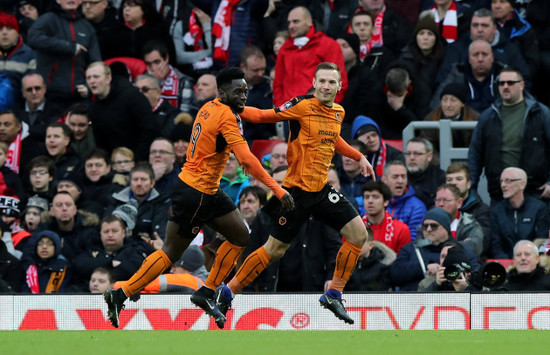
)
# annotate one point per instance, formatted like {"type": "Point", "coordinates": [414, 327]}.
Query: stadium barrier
{"type": "Point", "coordinates": [372, 311]}
{"type": "Point", "coordinates": [447, 152]}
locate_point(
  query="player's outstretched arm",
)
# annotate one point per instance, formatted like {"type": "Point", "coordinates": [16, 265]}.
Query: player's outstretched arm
{"type": "Point", "coordinates": [256, 115]}
{"type": "Point", "coordinates": [253, 166]}
{"type": "Point", "coordinates": [344, 148]}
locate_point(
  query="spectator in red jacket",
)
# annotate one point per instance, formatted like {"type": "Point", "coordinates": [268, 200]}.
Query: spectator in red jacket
{"type": "Point", "coordinates": [300, 55]}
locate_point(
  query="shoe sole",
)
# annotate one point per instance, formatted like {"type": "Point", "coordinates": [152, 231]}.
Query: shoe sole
{"type": "Point", "coordinates": [203, 304]}
{"type": "Point", "coordinates": [111, 309]}
{"type": "Point", "coordinates": [347, 320]}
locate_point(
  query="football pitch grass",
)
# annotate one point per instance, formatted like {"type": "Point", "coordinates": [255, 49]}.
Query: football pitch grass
{"type": "Point", "coordinates": [446, 342]}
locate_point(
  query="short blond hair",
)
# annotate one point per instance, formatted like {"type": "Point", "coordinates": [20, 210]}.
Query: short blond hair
{"type": "Point", "coordinates": [106, 68]}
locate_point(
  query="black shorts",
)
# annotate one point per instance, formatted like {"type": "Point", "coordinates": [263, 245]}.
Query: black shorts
{"type": "Point", "coordinates": [191, 209]}
{"type": "Point", "coordinates": [328, 206]}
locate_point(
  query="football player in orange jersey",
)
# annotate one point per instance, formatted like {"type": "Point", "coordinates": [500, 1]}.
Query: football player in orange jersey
{"type": "Point", "coordinates": [315, 123]}
{"type": "Point", "coordinates": [197, 199]}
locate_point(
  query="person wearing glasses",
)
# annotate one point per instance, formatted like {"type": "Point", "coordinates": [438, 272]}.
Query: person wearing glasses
{"type": "Point", "coordinates": [162, 158]}
{"type": "Point", "coordinates": [36, 110]}
{"type": "Point", "coordinates": [120, 115]}
{"type": "Point", "coordinates": [423, 176]}
{"type": "Point", "coordinates": [514, 132]}
{"type": "Point", "coordinates": [421, 258]}
{"type": "Point", "coordinates": [518, 216]}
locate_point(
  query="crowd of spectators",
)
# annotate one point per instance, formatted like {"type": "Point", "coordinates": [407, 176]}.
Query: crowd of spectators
{"type": "Point", "coordinates": [98, 99]}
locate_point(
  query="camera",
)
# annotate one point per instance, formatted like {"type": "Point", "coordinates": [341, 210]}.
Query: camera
{"type": "Point", "coordinates": [452, 272]}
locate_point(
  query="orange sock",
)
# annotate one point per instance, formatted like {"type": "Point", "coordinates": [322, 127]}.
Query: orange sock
{"type": "Point", "coordinates": [226, 259]}
{"type": "Point", "coordinates": [250, 269]}
{"type": "Point", "coordinates": [346, 259]}
{"type": "Point", "coordinates": [153, 266]}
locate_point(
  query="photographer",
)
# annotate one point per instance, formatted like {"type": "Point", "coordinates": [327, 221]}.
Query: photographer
{"type": "Point", "coordinates": [455, 272]}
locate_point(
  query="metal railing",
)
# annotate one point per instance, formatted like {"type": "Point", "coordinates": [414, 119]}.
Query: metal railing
{"type": "Point", "coordinates": [447, 153]}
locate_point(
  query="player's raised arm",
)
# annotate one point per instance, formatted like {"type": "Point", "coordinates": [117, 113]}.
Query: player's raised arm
{"type": "Point", "coordinates": [342, 147]}
{"type": "Point", "coordinates": [253, 166]}
{"type": "Point", "coordinates": [256, 115]}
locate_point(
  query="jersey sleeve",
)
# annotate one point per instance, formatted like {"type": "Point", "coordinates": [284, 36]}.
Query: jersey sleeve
{"type": "Point", "coordinates": [342, 147]}
{"type": "Point", "coordinates": [231, 128]}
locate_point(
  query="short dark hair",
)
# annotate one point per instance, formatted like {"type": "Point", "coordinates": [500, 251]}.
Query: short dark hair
{"type": "Point", "coordinates": [66, 130]}
{"type": "Point", "coordinates": [485, 13]}
{"type": "Point", "coordinates": [508, 69]}
{"type": "Point", "coordinates": [12, 112]}
{"type": "Point", "coordinates": [255, 191]}
{"type": "Point", "coordinates": [79, 109]}
{"type": "Point", "coordinates": [362, 13]}
{"type": "Point", "coordinates": [250, 51]}
{"type": "Point", "coordinates": [42, 161]}
{"type": "Point", "coordinates": [227, 75]}
{"type": "Point", "coordinates": [378, 186]}
{"type": "Point", "coordinates": [97, 153]}
{"type": "Point", "coordinates": [144, 166]}
{"type": "Point", "coordinates": [457, 168]}
{"type": "Point", "coordinates": [427, 144]}
{"type": "Point", "coordinates": [397, 80]}
{"type": "Point", "coordinates": [155, 45]}
{"type": "Point", "coordinates": [110, 219]}
{"type": "Point", "coordinates": [362, 146]}
{"type": "Point", "coordinates": [105, 271]}
{"type": "Point", "coordinates": [392, 163]}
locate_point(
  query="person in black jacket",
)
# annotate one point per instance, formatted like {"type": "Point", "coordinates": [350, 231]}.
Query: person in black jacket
{"type": "Point", "coordinates": [120, 115]}
{"type": "Point", "coordinates": [115, 252]}
{"type": "Point", "coordinates": [65, 43]}
{"type": "Point", "coordinates": [527, 275]}
{"type": "Point", "coordinates": [11, 272]}
{"type": "Point", "coordinates": [58, 139]}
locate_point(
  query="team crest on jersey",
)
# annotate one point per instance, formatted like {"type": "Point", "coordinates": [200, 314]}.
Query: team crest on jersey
{"type": "Point", "coordinates": [195, 230]}
{"type": "Point", "coordinates": [338, 117]}
{"type": "Point", "coordinates": [282, 221]}
{"type": "Point", "coordinates": [285, 106]}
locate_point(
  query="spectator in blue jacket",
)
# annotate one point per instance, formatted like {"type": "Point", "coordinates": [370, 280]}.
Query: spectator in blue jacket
{"type": "Point", "coordinates": [404, 205]}
{"type": "Point", "coordinates": [517, 217]}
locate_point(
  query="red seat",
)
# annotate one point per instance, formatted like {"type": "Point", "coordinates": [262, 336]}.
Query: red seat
{"type": "Point", "coordinates": [396, 143]}
{"type": "Point", "coordinates": [261, 147]}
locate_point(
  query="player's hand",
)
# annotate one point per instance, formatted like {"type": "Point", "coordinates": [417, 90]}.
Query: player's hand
{"type": "Point", "coordinates": [79, 49]}
{"type": "Point", "coordinates": [156, 243]}
{"type": "Point", "coordinates": [545, 191]}
{"type": "Point", "coordinates": [288, 202]}
{"type": "Point", "coordinates": [366, 168]}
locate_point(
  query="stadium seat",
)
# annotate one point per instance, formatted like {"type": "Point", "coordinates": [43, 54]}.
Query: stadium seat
{"type": "Point", "coordinates": [261, 147]}
{"type": "Point", "coordinates": [396, 143]}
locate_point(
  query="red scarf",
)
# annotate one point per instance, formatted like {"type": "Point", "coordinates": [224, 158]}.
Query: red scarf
{"type": "Point", "coordinates": [385, 227]}
{"type": "Point", "coordinates": [32, 279]}
{"type": "Point", "coordinates": [14, 154]}
{"type": "Point", "coordinates": [376, 37]}
{"type": "Point", "coordinates": [170, 88]}
{"type": "Point", "coordinates": [196, 32]}
{"type": "Point", "coordinates": [450, 22]}
{"type": "Point", "coordinates": [221, 29]}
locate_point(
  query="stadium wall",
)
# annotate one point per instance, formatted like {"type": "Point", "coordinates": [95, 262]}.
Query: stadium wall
{"type": "Point", "coordinates": [284, 312]}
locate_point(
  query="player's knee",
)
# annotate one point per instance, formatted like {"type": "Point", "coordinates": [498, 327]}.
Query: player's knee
{"type": "Point", "coordinates": [240, 239]}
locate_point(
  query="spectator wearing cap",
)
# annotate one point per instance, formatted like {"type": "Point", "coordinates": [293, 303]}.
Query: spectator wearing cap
{"type": "Point", "coordinates": [32, 213]}
{"type": "Point", "coordinates": [379, 153]}
{"type": "Point", "coordinates": [180, 136]}
{"type": "Point", "coordinates": [452, 107]}
{"type": "Point", "coordinates": [47, 269]}
{"type": "Point", "coordinates": [456, 255]}
{"type": "Point", "coordinates": [65, 43]}
{"type": "Point", "coordinates": [10, 182]}
{"type": "Point", "coordinates": [17, 59]}
{"type": "Point", "coordinates": [426, 50]}
{"type": "Point", "coordinates": [13, 235]}
{"type": "Point", "coordinates": [186, 275]}
{"type": "Point", "coordinates": [27, 12]}
{"type": "Point", "coordinates": [114, 252]}
{"type": "Point", "coordinates": [421, 257]}
{"type": "Point", "coordinates": [526, 275]}
{"type": "Point", "coordinates": [127, 213]}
